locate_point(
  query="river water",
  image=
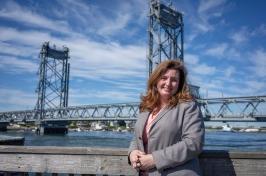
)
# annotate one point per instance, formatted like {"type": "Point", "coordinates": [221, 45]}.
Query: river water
{"type": "Point", "coordinates": [214, 140]}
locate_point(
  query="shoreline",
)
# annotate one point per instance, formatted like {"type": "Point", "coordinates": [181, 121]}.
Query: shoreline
{"type": "Point", "coordinates": [119, 129]}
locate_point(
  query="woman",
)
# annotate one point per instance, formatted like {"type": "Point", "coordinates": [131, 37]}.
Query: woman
{"type": "Point", "coordinates": [169, 132]}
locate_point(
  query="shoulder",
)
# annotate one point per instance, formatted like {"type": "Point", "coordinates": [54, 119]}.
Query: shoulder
{"type": "Point", "coordinates": [143, 114]}
{"type": "Point", "coordinates": [187, 108]}
{"type": "Point", "coordinates": [187, 105]}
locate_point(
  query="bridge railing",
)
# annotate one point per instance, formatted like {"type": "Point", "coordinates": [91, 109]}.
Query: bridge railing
{"type": "Point", "coordinates": [234, 108]}
{"type": "Point", "coordinates": [217, 109]}
{"type": "Point", "coordinates": [110, 161]}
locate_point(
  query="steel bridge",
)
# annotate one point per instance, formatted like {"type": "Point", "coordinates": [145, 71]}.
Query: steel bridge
{"type": "Point", "coordinates": [239, 109]}
{"type": "Point", "coordinates": [165, 34]}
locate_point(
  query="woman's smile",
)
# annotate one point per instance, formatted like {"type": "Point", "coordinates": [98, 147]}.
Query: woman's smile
{"type": "Point", "coordinates": [168, 84]}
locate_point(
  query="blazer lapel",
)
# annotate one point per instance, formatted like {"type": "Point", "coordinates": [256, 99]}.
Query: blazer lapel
{"type": "Point", "coordinates": [159, 116]}
{"type": "Point", "coordinates": [144, 116]}
{"type": "Point", "coordinates": [142, 121]}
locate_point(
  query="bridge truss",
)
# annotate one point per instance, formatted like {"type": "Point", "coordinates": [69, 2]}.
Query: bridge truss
{"type": "Point", "coordinates": [240, 109]}
{"type": "Point", "coordinates": [165, 34]}
{"type": "Point", "coordinates": [165, 37]}
{"type": "Point", "coordinates": [53, 83]}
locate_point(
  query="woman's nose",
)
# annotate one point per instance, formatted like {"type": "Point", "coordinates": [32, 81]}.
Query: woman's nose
{"type": "Point", "coordinates": [168, 82]}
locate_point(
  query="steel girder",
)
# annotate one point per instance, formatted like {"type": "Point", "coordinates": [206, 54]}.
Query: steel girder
{"type": "Point", "coordinates": [53, 83]}
{"type": "Point", "coordinates": [109, 112]}
{"type": "Point", "coordinates": [252, 108]}
{"type": "Point", "coordinates": [165, 34]}
{"type": "Point", "coordinates": [214, 109]}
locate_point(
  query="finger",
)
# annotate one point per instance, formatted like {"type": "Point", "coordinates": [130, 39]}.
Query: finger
{"type": "Point", "coordinates": [142, 158]}
{"type": "Point", "coordinates": [141, 155]}
{"type": "Point", "coordinates": [140, 152]}
{"type": "Point", "coordinates": [136, 159]}
{"type": "Point", "coordinates": [134, 165]}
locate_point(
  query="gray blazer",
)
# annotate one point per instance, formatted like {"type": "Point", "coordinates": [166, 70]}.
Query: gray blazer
{"type": "Point", "coordinates": [175, 141]}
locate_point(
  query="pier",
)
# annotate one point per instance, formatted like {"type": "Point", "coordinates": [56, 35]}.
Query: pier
{"type": "Point", "coordinates": [11, 140]}
{"type": "Point", "coordinates": [113, 161]}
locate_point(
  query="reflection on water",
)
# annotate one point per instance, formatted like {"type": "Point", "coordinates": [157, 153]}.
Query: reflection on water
{"type": "Point", "coordinates": [214, 140]}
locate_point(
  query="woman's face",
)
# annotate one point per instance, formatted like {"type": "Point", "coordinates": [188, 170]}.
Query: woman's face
{"type": "Point", "coordinates": [168, 84]}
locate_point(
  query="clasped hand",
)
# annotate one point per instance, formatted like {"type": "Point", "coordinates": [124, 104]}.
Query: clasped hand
{"type": "Point", "coordinates": [141, 160]}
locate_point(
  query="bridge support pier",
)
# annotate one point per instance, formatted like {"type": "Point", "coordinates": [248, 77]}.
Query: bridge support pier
{"type": "Point", "coordinates": [128, 124]}
{"type": "Point", "coordinates": [52, 127]}
{"type": "Point", "coordinates": [3, 126]}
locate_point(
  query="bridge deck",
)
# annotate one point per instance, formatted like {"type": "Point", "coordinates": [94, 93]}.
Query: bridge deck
{"type": "Point", "coordinates": [217, 109]}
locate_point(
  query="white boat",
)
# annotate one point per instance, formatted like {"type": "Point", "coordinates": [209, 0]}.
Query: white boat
{"type": "Point", "coordinates": [227, 127]}
{"type": "Point", "coordinates": [252, 130]}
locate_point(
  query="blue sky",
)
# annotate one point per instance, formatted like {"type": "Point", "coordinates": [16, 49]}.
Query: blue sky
{"type": "Point", "coordinates": [225, 48]}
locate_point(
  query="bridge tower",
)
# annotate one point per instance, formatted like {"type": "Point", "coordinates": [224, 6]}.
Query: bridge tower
{"type": "Point", "coordinates": [53, 86]}
{"type": "Point", "coordinates": [165, 36]}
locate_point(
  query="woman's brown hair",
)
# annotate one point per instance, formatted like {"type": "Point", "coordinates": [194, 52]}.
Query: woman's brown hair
{"type": "Point", "coordinates": [151, 100]}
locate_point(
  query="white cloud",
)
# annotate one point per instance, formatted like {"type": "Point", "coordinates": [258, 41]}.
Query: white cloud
{"type": "Point", "coordinates": [229, 71]}
{"type": "Point", "coordinates": [204, 26]}
{"type": "Point", "coordinates": [91, 18]}
{"type": "Point", "coordinates": [207, 5]}
{"type": "Point", "coordinates": [223, 50]}
{"type": "Point", "coordinates": [126, 20]}
{"type": "Point", "coordinates": [208, 10]}
{"type": "Point", "coordinates": [32, 38]}
{"type": "Point", "coordinates": [256, 86]}
{"type": "Point", "coordinates": [240, 36]}
{"type": "Point", "coordinates": [211, 93]}
{"type": "Point", "coordinates": [233, 53]}
{"type": "Point", "coordinates": [191, 59]}
{"type": "Point", "coordinates": [102, 20]}
{"type": "Point", "coordinates": [99, 60]}
{"type": "Point", "coordinates": [79, 96]}
{"type": "Point", "coordinates": [17, 50]}
{"type": "Point", "coordinates": [210, 88]}
{"type": "Point", "coordinates": [16, 99]}
{"type": "Point", "coordinates": [128, 85]}
{"type": "Point", "coordinates": [235, 90]}
{"type": "Point", "coordinates": [258, 59]}
{"type": "Point", "coordinates": [115, 25]}
{"type": "Point", "coordinates": [88, 58]}
{"type": "Point", "coordinates": [259, 31]}
{"type": "Point", "coordinates": [204, 69]}
{"type": "Point", "coordinates": [13, 64]}
{"type": "Point", "coordinates": [217, 51]}
{"type": "Point", "coordinates": [14, 11]}
{"type": "Point", "coordinates": [194, 67]}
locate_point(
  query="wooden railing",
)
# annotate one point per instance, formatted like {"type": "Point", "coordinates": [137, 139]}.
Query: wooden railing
{"type": "Point", "coordinates": [109, 161]}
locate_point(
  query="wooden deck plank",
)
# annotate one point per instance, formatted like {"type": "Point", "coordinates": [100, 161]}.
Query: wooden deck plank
{"type": "Point", "coordinates": [110, 161]}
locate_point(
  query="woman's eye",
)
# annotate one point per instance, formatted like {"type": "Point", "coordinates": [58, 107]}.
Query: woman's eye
{"type": "Point", "coordinates": [174, 79]}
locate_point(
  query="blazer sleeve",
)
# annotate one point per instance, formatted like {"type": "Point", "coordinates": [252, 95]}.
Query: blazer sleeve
{"type": "Point", "coordinates": [133, 146]}
{"type": "Point", "coordinates": [191, 143]}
